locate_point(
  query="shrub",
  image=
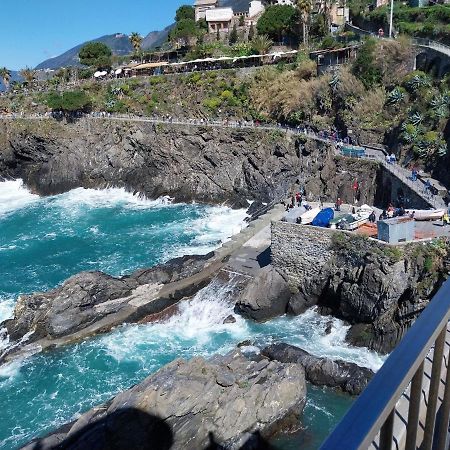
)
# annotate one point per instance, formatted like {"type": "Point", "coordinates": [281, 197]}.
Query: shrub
{"type": "Point", "coordinates": [212, 103]}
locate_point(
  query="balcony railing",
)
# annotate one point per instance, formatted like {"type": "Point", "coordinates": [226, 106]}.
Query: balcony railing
{"type": "Point", "coordinates": [407, 403]}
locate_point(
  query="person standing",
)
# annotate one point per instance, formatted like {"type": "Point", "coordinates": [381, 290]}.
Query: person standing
{"type": "Point", "coordinates": [338, 204]}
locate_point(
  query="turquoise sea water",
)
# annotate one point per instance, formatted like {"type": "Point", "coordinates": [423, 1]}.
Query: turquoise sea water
{"type": "Point", "coordinates": [43, 241]}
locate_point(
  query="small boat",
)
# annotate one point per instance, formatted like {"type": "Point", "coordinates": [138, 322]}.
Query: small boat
{"type": "Point", "coordinates": [426, 214]}
{"type": "Point", "coordinates": [308, 216]}
{"type": "Point", "coordinates": [323, 218]}
{"type": "Point", "coordinates": [349, 222]}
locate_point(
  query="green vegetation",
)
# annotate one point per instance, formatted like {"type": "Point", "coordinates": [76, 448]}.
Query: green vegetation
{"type": "Point", "coordinates": [430, 21]}
{"type": "Point", "coordinates": [96, 55]}
{"type": "Point", "coordinates": [364, 67]}
{"type": "Point", "coordinates": [186, 30]}
{"type": "Point", "coordinates": [68, 102]}
{"type": "Point", "coordinates": [278, 21]}
{"type": "Point", "coordinates": [136, 42]}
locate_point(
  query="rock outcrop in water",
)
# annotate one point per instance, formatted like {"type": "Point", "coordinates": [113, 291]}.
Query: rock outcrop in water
{"type": "Point", "coordinates": [93, 302]}
{"type": "Point", "coordinates": [188, 163]}
{"type": "Point", "coordinates": [266, 296]}
{"type": "Point", "coordinates": [188, 405]}
{"type": "Point", "coordinates": [347, 376]}
{"type": "Point", "coordinates": [378, 288]}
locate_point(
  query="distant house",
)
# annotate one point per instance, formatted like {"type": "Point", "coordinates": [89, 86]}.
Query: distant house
{"type": "Point", "coordinates": [255, 11]}
{"type": "Point", "coordinates": [281, 2]}
{"type": "Point", "coordinates": [339, 14]}
{"type": "Point", "coordinates": [219, 19]}
{"type": "Point", "coordinates": [379, 3]}
{"type": "Point", "coordinates": [201, 6]}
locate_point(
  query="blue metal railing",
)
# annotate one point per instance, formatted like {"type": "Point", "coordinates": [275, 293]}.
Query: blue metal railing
{"type": "Point", "coordinates": [373, 414]}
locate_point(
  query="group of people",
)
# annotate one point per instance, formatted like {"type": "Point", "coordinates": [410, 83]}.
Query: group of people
{"type": "Point", "coordinates": [391, 212]}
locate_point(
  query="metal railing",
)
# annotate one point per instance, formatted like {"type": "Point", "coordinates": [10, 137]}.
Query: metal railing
{"type": "Point", "coordinates": [416, 374]}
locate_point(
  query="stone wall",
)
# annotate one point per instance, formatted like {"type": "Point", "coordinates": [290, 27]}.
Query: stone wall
{"type": "Point", "coordinates": [299, 251]}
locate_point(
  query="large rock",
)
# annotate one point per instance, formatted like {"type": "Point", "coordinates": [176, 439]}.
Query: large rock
{"type": "Point", "coordinates": [189, 405]}
{"type": "Point", "coordinates": [206, 164]}
{"type": "Point", "coordinates": [92, 302]}
{"type": "Point", "coordinates": [347, 376]}
{"type": "Point", "coordinates": [265, 297]}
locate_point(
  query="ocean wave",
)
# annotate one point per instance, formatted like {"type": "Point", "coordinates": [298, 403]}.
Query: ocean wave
{"type": "Point", "coordinates": [106, 198]}
{"type": "Point", "coordinates": [15, 196]}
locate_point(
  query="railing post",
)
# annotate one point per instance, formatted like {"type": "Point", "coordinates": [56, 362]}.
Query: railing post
{"type": "Point", "coordinates": [445, 412]}
{"type": "Point", "coordinates": [434, 390]}
{"type": "Point", "coordinates": [415, 398]}
{"type": "Point", "coordinates": [387, 431]}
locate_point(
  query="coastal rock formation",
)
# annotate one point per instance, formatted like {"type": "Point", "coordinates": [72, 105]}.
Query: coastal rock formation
{"type": "Point", "coordinates": [266, 296]}
{"type": "Point", "coordinates": [347, 376]}
{"type": "Point", "coordinates": [190, 405]}
{"type": "Point", "coordinates": [377, 287]}
{"type": "Point", "coordinates": [188, 163]}
{"type": "Point", "coordinates": [93, 302]}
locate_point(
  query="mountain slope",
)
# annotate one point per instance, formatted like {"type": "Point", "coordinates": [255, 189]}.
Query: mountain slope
{"type": "Point", "coordinates": [156, 38]}
{"type": "Point", "coordinates": [118, 43]}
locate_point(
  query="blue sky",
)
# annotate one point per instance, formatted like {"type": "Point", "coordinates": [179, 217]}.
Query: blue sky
{"type": "Point", "coordinates": [34, 30]}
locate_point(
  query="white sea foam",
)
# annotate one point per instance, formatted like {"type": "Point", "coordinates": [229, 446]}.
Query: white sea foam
{"type": "Point", "coordinates": [308, 332]}
{"type": "Point", "coordinates": [192, 328]}
{"type": "Point", "coordinates": [14, 196]}
{"type": "Point", "coordinates": [216, 226]}
{"type": "Point", "coordinates": [106, 198]}
{"type": "Point", "coordinates": [6, 309]}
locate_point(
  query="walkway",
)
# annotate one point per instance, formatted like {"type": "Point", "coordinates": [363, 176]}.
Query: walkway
{"type": "Point", "coordinates": [399, 172]}
{"type": "Point", "coordinates": [404, 175]}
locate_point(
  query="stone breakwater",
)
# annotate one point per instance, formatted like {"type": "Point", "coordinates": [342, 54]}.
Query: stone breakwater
{"type": "Point", "coordinates": [230, 401]}
{"type": "Point", "coordinates": [212, 165]}
{"type": "Point", "coordinates": [377, 287]}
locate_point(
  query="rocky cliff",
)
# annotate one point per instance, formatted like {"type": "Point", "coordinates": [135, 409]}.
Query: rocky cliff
{"type": "Point", "coordinates": [206, 164]}
{"type": "Point", "coordinates": [378, 287]}
{"type": "Point", "coordinates": [226, 402]}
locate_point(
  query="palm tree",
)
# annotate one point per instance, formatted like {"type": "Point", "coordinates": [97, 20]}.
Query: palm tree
{"type": "Point", "coordinates": [5, 75]}
{"type": "Point", "coordinates": [29, 75]}
{"type": "Point", "coordinates": [305, 8]}
{"type": "Point", "coordinates": [136, 42]}
{"type": "Point", "coordinates": [261, 44]}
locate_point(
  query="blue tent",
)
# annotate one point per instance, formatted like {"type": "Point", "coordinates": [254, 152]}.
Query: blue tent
{"type": "Point", "coordinates": [323, 218]}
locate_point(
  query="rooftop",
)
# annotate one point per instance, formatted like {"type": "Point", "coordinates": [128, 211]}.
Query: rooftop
{"type": "Point", "coordinates": [205, 2]}
{"type": "Point", "coordinates": [219, 15]}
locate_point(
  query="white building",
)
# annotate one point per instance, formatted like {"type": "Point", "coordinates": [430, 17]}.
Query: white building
{"type": "Point", "coordinates": [281, 2]}
{"type": "Point", "coordinates": [255, 10]}
{"type": "Point", "coordinates": [201, 6]}
{"type": "Point", "coordinates": [219, 19]}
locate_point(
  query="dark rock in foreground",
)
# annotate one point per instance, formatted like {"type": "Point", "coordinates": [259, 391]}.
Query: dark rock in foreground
{"type": "Point", "coordinates": [93, 302]}
{"type": "Point", "coordinates": [347, 376]}
{"type": "Point", "coordinates": [190, 404]}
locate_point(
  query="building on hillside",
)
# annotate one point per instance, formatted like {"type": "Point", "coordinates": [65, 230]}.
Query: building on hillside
{"type": "Point", "coordinates": [281, 2]}
{"type": "Point", "coordinates": [219, 19]}
{"type": "Point", "coordinates": [379, 3]}
{"type": "Point", "coordinates": [255, 11]}
{"type": "Point", "coordinates": [339, 14]}
{"type": "Point", "coordinates": [201, 6]}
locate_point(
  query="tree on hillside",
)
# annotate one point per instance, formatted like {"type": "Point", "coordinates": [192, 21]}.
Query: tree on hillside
{"type": "Point", "coordinates": [184, 30]}
{"type": "Point", "coordinates": [233, 35]}
{"type": "Point", "coordinates": [278, 21]}
{"type": "Point", "coordinates": [261, 44]}
{"type": "Point", "coordinates": [68, 102]}
{"type": "Point", "coordinates": [28, 74]}
{"type": "Point", "coordinates": [136, 42]}
{"type": "Point", "coordinates": [251, 32]}
{"type": "Point", "coordinates": [364, 67]}
{"type": "Point", "coordinates": [185, 12]}
{"type": "Point", "coordinates": [96, 55]}
{"type": "Point", "coordinates": [5, 75]}
{"type": "Point", "coordinates": [305, 8]}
